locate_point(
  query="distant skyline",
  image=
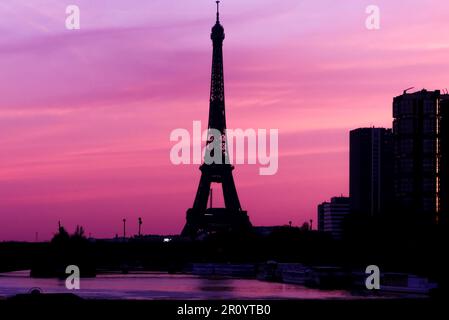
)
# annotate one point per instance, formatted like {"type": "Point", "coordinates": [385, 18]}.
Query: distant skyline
{"type": "Point", "coordinates": [85, 115]}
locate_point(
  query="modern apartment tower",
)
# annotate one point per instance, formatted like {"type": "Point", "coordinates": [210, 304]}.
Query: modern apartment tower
{"type": "Point", "coordinates": [331, 216]}
{"type": "Point", "coordinates": [444, 161]}
{"type": "Point", "coordinates": [420, 133]}
{"type": "Point", "coordinates": [371, 171]}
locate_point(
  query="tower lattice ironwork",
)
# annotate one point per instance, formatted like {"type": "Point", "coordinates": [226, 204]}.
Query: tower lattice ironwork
{"type": "Point", "coordinates": [201, 219]}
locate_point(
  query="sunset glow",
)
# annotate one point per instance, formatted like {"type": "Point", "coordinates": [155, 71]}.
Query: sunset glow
{"type": "Point", "coordinates": [86, 115]}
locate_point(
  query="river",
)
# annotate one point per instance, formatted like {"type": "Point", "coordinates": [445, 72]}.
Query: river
{"type": "Point", "coordinates": [150, 286]}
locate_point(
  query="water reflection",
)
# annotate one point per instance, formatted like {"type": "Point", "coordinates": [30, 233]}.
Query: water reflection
{"type": "Point", "coordinates": [165, 286]}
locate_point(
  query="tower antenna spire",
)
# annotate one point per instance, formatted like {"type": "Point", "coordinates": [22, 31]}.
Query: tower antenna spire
{"type": "Point", "coordinates": [218, 10]}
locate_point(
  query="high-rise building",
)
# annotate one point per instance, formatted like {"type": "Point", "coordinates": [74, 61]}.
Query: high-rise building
{"type": "Point", "coordinates": [420, 133]}
{"type": "Point", "coordinates": [370, 171]}
{"type": "Point", "coordinates": [444, 162]}
{"type": "Point", "coordinates": [331, 216]}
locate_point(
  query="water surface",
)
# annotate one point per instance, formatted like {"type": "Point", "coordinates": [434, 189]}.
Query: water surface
{"type": "Point", "coordinates": [166, 286]}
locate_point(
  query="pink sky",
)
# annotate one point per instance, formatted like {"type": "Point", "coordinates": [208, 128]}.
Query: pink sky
{"type": "Point", "coordinates": [85, 115]}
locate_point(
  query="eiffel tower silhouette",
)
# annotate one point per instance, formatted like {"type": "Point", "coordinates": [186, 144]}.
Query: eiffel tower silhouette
{"type": "Point", "coordinates": [201, 219]}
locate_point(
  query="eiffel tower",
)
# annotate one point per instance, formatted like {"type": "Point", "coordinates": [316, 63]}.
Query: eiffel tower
{"type": "Point", "coordinates": [200, 218]}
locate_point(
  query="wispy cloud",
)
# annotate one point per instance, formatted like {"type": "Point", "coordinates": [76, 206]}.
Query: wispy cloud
{"type": "Point", "coordinates": [85, 116]}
